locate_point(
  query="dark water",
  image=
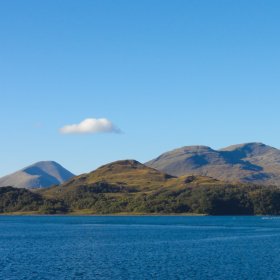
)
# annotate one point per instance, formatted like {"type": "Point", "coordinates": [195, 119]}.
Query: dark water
{"type": "Point", "coordinates": [139, 248]}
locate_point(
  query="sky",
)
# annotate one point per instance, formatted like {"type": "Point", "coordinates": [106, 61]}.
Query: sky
{"type": "Point", "coordinates": [88, 82]}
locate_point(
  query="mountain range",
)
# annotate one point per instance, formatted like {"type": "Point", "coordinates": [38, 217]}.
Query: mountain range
{"type": "Point", "coordinates": [129, 187]}
{"type": "Point", "coordinates": [42, 174]}
{"type": "Point", "coordinates": [190, 180]}
{"type": "Point", "coordinates": [254, 163]}
{"type": "Point", "coordinates": [248, 163]}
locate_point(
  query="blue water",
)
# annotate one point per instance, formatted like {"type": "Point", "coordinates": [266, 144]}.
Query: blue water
{"type": "Point", "coordinates": [139, 248]}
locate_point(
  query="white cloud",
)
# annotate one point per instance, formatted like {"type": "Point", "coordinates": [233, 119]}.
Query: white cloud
{"type": "Point", "coordinates": [90, 126]}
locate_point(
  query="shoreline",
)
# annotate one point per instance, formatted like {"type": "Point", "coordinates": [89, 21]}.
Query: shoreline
{"type": "Point", "coordinates": [30, 214]}
{"type": "Point", "coordinates": [77, 214]}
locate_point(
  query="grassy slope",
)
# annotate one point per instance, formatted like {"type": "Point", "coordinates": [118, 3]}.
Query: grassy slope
{"type": "Point", "coordinates": [129, 187]}
{"type": "Point", "coordinates": [123, 186]}
{"type": "Point", "coordinates": [133, 177]}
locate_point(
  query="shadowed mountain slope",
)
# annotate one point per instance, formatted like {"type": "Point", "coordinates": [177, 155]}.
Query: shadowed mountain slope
{"type": "Point", "coordinates": [249, 163]}
{"type": "Point", "coordinates": [39, 175]}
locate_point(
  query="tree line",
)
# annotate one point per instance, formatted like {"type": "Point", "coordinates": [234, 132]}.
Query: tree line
{"type": "Point", "coordinates": [108, 199]}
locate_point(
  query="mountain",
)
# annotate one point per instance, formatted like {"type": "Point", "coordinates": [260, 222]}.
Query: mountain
{"type": "Point", "coordinates": [39, 175]}
{"type": "Point", "coordinates": [248, 163]}
{"type": "Point", "coordinates": [126, 186]}
{"type": "Point", "coordinates": [129, 176]}
{"type": "Point", "coordinates": [125, 173]}
{"type": "Point", "coordinates": [129, 187]}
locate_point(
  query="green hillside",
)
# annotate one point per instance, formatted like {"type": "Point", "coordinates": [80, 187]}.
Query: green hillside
{"type": "Point", "coordinates": [19, 200]}
{"type": "Point", "coordinates": [129, 187]}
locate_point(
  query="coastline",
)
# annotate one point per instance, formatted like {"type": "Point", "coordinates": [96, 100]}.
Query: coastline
{"type": "Point", "coordinates": [124, 214]}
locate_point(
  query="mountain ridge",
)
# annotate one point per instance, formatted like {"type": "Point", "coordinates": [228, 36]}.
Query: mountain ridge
{"type": "Point", "coordinates": [248, 163]}
{"type": "Point", "coordinates": [129, 187]}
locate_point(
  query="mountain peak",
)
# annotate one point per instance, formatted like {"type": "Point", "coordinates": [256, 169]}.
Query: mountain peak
{"type": "Point", "coordinates": [38, 175]}
{"type": "Point", "coordinates": [43, 164]}
{"type": "Point", "coordinates": [251, 149]}
{"type": "Point", "coordinates": [126, 162]}
{"type": "Point", "coordinates": [121, 165]}
{"type": "Point", "coordinates": [250, 145]}
{"type": "Point", "coordinates": [194, 148]}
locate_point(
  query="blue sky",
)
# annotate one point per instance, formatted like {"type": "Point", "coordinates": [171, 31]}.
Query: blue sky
{"type": "Point", "coordinates": [166, 73]}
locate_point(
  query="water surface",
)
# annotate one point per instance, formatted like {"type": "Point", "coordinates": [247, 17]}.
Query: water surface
{"type": "Point", "coordinates": [139, 248]}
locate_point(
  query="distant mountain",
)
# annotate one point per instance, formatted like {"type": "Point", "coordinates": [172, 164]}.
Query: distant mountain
{"type": "Point", "coordinates": [249, 163]}
{"type": "Point", "coordinates": [39, 175]}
